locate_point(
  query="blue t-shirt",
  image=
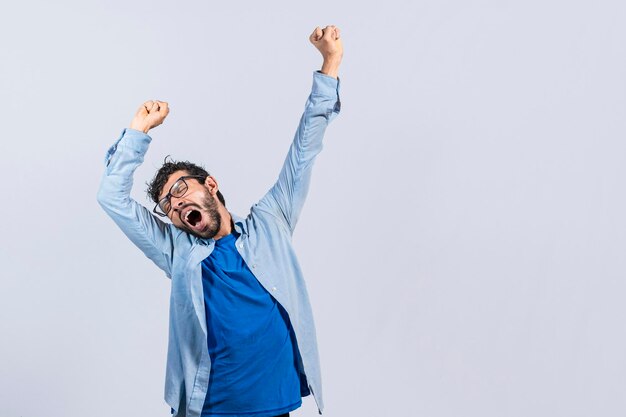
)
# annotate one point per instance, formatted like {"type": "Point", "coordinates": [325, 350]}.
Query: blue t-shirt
{"type": "Point", "coordinates": [254, 354]}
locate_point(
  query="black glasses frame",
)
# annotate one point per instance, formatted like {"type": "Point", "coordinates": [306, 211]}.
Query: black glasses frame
{"type": "Point", "coordinates": [169, 194]}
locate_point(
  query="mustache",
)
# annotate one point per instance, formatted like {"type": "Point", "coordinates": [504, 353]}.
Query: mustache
{"type": "Point", "coordinates": [184, 206]}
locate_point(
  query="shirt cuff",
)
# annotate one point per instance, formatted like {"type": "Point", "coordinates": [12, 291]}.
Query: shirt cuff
{"type": "Point", "coordinates": [325, 85]}
{"type": "Point", "coordinates": [135, 139]}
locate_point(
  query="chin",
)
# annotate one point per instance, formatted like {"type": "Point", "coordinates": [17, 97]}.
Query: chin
{"type": "Point", "coordinates": [207, 234]}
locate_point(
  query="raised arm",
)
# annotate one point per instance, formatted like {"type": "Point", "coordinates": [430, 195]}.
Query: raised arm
{"type": "Point", "coordinates": [286, 197]}
{"type": "Point", "coordinates": [151, 235]}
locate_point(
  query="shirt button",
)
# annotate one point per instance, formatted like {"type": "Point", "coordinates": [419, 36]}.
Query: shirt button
{"type": "Point", "coordinates": [241, 245]}
{"type": "Point", "coordinates": [273, 288]}
{"type": "Point", "coordinates": [253, 266]}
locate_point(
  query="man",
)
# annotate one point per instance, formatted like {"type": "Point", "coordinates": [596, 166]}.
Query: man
{"type": "Point", "coordinates": [241, 336]}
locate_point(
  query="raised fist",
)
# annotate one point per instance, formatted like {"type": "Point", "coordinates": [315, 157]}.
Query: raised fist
{"type": "Point", "coordinates": [328, 42]}
{"type": "Point", "coordinates": [150, 114]}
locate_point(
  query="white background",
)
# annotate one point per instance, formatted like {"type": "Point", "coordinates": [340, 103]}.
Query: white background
{"type": "Point", "coordinates": [464, 238]}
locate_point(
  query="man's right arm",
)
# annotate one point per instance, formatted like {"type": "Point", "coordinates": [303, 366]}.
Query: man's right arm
{"type": "Point", "coordinates": [153, 236]}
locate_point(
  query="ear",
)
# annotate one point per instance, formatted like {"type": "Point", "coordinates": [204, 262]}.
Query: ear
{"type": "Point", "coordinates": [211, 184]}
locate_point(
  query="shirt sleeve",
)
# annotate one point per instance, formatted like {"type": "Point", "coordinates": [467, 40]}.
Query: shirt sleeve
{"type": "Point", "coordinates": [286, 197]}
{"type": "Point", "coordinates": [153, 236]}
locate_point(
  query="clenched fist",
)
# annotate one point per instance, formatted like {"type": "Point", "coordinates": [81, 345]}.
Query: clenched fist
{"type": "Point", "coordinates": [328, 42]}
{"type": "Point", "coordinates": [150, 114]}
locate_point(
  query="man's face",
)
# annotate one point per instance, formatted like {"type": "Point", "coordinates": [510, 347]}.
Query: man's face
{"type": "Point", "coordinates": [196, 211]}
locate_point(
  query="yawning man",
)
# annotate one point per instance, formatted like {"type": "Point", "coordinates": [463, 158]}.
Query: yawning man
{"type": "Point", "coordinates": [241, 334]}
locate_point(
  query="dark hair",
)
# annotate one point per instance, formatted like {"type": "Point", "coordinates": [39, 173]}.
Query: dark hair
{"type": "Point", "coordinates": [155, 187]}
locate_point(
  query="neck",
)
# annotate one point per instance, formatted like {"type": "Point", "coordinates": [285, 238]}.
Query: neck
{"type": "Point", "coordinates": [226, 227]}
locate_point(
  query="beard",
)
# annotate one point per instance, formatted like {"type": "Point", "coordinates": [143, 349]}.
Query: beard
{"type": "Point", "coordinates": [206, 214]}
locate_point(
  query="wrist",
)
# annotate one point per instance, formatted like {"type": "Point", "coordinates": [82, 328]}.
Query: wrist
{"type": "Point", "coordinates": [140, 128]}
{"type": "Point", "coordinates": [330, 66]}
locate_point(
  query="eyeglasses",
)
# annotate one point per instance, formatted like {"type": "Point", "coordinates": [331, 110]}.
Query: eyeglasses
{"type": "Point", "coordinates": [178, 189]}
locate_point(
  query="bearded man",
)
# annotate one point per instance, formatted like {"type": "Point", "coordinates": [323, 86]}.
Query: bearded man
{"type": "Point", "coordinates": [241, 336]}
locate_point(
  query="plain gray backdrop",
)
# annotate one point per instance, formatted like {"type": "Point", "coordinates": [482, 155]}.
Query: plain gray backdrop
{"type": "Point", "coordinates": [463, 241]}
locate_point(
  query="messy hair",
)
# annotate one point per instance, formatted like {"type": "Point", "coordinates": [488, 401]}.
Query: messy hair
{"type": "Point", "coordinates": [155, 187]}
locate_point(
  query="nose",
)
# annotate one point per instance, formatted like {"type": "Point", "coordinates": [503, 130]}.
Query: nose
{"type": "Point", "coordinates": [177, 202]}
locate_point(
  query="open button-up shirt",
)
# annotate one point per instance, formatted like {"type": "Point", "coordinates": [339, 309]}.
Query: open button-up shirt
{"type": "Point", "coordinates": [264, 243]}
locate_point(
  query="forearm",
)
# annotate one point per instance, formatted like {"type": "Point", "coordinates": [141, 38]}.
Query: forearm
{"type": "Point", "coordinates": [121, 161]}
{"type": "Point", "coordinates": [321, 107]}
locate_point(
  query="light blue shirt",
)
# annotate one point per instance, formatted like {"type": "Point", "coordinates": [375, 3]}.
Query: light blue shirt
{"type": "Point", "coordinates": [264, 243]}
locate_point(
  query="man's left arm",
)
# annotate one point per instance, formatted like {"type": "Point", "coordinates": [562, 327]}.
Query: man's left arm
{"type": "Point", "coordinates": [286, 197]}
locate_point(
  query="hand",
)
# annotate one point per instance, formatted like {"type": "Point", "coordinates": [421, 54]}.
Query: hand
{"type": "Point", "coordinates": [150, 114]}
{"type": "Point", "coordinates": [328, 42]}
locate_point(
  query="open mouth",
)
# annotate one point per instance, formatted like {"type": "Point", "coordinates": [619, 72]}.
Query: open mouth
{"type": "Point", "coordinates": [193, 217]}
